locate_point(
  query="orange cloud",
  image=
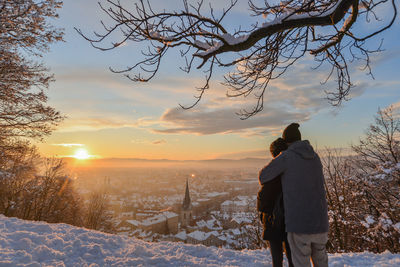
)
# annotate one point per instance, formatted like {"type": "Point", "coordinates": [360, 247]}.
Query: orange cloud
{"type": "Point", "coordinates": [159, 142]}
{"type": "Point", "coordinates": [68, 145]}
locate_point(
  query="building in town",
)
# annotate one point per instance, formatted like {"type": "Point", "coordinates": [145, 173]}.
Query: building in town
{"type": "Point", "coordinates": [165, 222]}
{"type": "Point", "coordinates": [186, 213]}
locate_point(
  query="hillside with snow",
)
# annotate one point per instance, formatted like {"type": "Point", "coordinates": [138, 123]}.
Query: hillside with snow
{"type": "Point", "coordinates": [26, 243]}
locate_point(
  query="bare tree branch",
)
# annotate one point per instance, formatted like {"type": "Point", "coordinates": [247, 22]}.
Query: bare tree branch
{"type": "Point", "coordinates": [263, 52]}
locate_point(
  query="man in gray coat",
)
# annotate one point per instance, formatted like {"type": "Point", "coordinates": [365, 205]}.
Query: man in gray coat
{"type": "Point", "coordinates": [304, 198]}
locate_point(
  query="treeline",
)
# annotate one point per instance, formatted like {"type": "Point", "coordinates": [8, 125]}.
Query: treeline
{"type": "Point", "coordinates": [363, 190]}
{"type": "Point", "coordinates": [36, 188]}
{"type": "Point", "coordinates": [32, 187]}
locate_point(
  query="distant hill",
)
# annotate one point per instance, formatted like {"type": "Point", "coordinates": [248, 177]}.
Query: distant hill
{"type": "Point", "coordinates": [165, 163]}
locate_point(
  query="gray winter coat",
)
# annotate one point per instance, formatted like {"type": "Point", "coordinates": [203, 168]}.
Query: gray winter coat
{"type": "Point", "coordinates": [303, 188]}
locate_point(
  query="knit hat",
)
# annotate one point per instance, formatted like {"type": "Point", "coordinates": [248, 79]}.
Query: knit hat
{"type": "Point", "coordinates": [277, 147]}
{"type": "Point", "coordinates": [291, 133]}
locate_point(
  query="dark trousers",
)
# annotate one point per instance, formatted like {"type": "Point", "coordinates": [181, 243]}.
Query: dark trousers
{"type": "Point", "coordinates": [277, 252]}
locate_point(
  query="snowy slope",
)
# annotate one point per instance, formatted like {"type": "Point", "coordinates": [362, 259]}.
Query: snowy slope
{"type": "Point", "coordinates": [25, 243]}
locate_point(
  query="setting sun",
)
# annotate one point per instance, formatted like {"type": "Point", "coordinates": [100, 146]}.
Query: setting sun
{"type": "Point", "coordinates": [81, 154]}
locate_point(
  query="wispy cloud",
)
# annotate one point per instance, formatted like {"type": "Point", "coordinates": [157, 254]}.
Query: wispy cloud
{"type": "Point", "coordinates": [94, 124]}
{"type": "Point", "coordinates": [159, 142]}
{"type": "Point", "coordinates": [291, 99]}
{"type": "Point", "coordinates": [69, 145]}
{"type": "Point", "coordinates": [145, 141]}
{"type": "Point", "coordinates": [204, 121]}
{"type": "Point", "coordinates": [297, 96]}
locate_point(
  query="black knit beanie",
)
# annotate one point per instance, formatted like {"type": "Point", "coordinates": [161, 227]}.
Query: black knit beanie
{"type": "Point", "coordinates": [291, 133]}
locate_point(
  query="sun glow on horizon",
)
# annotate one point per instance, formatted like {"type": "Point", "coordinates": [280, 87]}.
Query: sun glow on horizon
{"type": "Point", "coordinates": [81, 154]}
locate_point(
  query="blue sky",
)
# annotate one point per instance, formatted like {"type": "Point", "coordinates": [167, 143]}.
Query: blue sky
{"type": "Point", "coordinates": [113, 117]}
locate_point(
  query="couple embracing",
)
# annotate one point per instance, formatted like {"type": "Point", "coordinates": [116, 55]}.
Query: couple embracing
{"type": "Point", "coordinates": [292, 202]}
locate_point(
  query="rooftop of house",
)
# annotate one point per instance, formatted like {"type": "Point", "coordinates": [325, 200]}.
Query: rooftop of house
{"type": "Point", "coordinates": [162, 216]}
{"type": "Point", "coordinates": [215, 194]}
{"type": "Point", "coordinates": [133, 222]}
{"type": "Point", "coordinates": [181, 235]}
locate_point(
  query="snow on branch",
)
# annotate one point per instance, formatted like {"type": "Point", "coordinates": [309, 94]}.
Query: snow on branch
{"type": "Point", "coordinates": [264, 51]}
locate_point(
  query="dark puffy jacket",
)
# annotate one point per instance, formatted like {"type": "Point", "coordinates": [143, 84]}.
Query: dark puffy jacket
{"type": "Point", "coordinates": [270, 206]}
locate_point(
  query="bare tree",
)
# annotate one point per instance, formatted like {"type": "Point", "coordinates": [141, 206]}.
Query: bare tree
{"type": "Point", "coordinates": [363, 203]}
{"type": "Point", "coordinates": [51, 196]}
{"type": "Point", "coordinates": [382, 140]}
{"type": "Point", "coordinates": [25, 35]}
{"type": "Point", "coordinates": [97, 215]}
{"type": "Point", "coordinates": [378, 176]}
{"type": "Point", "coordinates": [363, 190]}
{"type": "Point", "coordinates": [255, 230]}
{"type": "Point", "coordinates": [17, 167]}
{"type": "Point", "coordinates": [345, 211]}
{"type": "Point", "coordinates": [262, 52]}
{"type": "Point", "coordinates": [25, 32]}
{"type": "Point", "coordinates": [24, 25]}
{"type": "Point", "coordinates": [27, 195]}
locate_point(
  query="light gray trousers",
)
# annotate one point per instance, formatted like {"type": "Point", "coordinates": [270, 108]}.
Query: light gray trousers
{"type": "Point", "coordinates": [306, 246]}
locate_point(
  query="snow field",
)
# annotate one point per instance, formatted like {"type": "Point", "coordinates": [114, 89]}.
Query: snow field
{"type": "Point", "coordinates": [26, 243]}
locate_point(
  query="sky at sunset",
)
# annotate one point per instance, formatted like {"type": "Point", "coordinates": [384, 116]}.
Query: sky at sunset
{"type": "Point", "coordinates": [111, 116]}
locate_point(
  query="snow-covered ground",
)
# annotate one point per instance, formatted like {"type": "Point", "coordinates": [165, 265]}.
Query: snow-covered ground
{"type": "Point", "coordinates": [25, 243]}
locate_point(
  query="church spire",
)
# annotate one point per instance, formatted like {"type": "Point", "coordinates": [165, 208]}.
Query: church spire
{"type": "Point", "coordinates": [186, 201]}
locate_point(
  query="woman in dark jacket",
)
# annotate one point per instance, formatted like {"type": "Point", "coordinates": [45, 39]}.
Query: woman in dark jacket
{"type": "Point", "coordinates": [270, 205]}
